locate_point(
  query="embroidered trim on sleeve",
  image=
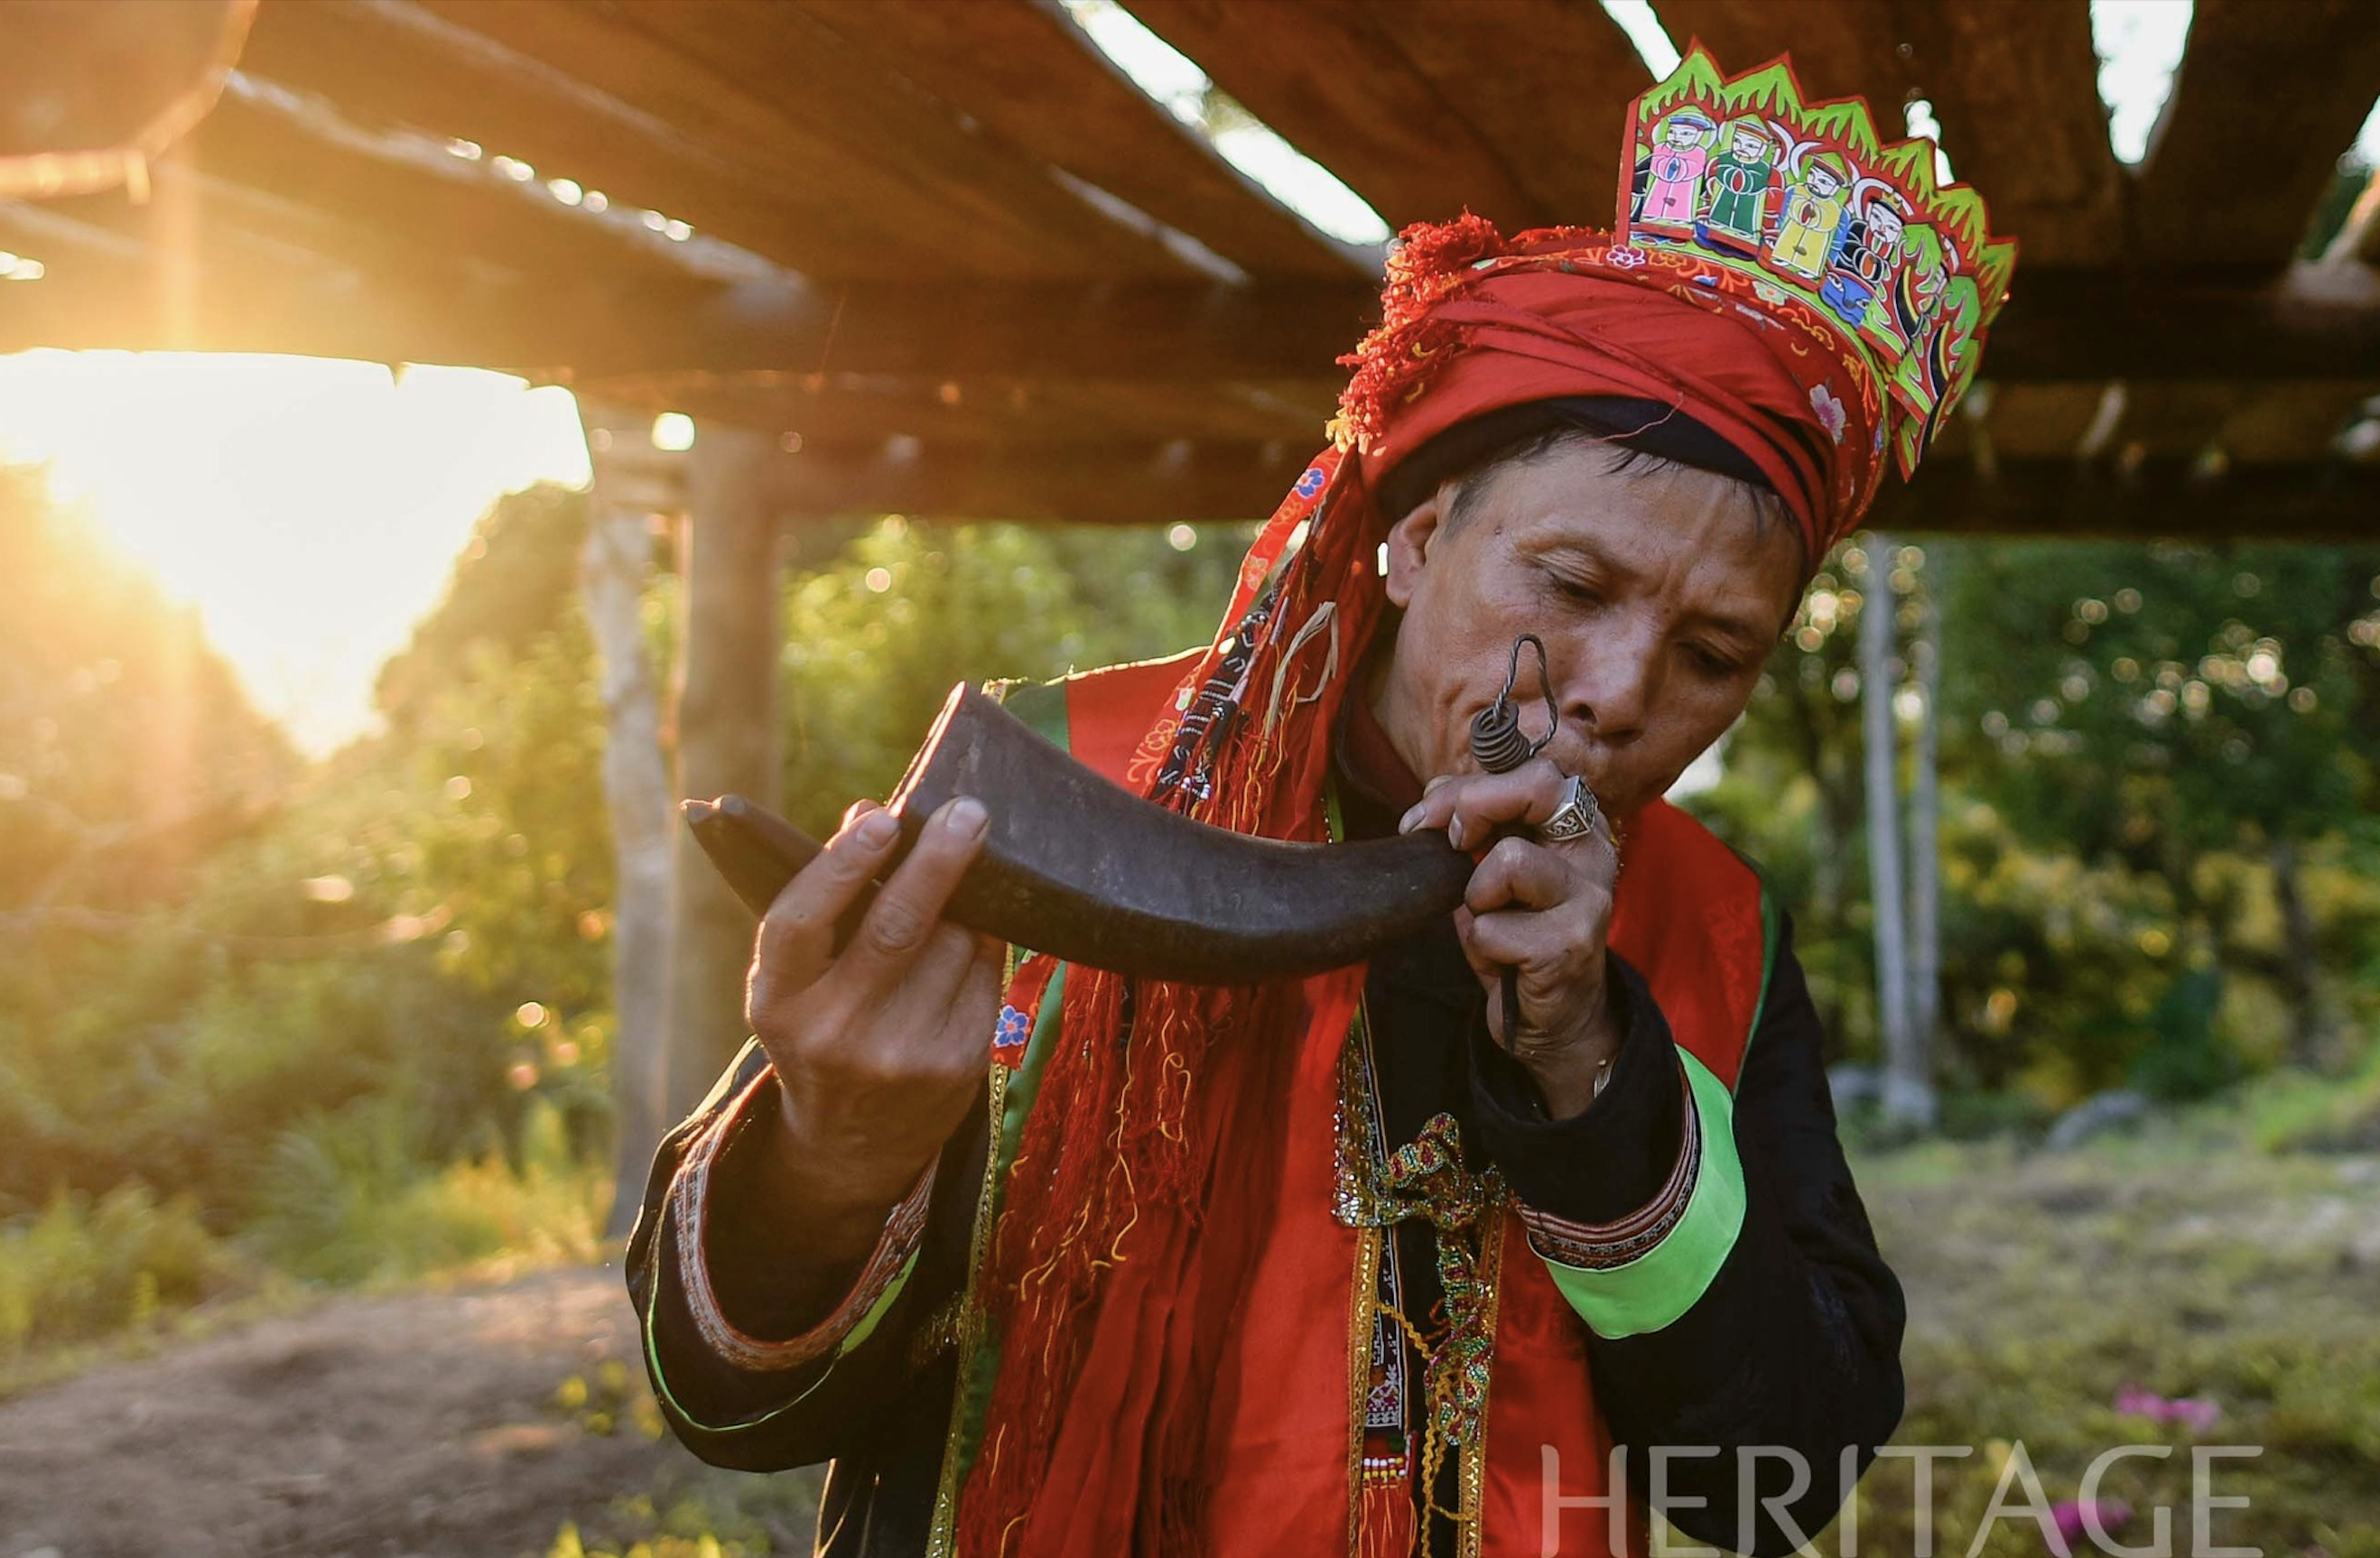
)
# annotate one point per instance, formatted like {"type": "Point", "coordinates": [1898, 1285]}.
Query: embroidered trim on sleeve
{"type": "Point", "coordinates": [1601, 1246]}
{"type": "Point", "coordinates": [690, 1201]}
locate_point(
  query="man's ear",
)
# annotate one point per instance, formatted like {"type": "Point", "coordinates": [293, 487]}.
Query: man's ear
{"type": "Point", "coordinates": [1411, 541]}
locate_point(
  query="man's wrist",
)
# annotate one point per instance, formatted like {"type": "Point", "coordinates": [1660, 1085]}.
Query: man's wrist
{"type": "Point", "coordinates": [1569, 1071]}
{"type": "Point", "coordinates": [841, 1207]}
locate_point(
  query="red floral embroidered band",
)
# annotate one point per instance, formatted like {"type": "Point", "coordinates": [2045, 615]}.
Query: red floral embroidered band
{"type": "Point", "coordinates": [1601, 1246]}
{"type": "Point", "coordinates": [690, 1204]}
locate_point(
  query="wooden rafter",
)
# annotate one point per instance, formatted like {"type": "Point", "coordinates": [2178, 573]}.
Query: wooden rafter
{"type": "Point", "coordinates": [392, 63]}
{"type": "Point", "coordinates": [1331, 80]}
{"type": "Point", "coordinates": [1545, 82]}
{"type": "Point", "coordinates": [1022, 72]}
{"type": "Point", "coordinates": [773, 91]}
{"type": "Point", "coordinates": [2267, 99]}
{"type": "Point", "coordinates": [2021, 116]}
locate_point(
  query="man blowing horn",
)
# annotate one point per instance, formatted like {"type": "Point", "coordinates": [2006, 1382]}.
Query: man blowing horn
{"type": "Point", "coordinates": [1365, 1262]}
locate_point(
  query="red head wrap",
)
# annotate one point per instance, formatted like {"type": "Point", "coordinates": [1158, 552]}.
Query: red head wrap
{"type": "Point", "coordinates": [1473, 325]}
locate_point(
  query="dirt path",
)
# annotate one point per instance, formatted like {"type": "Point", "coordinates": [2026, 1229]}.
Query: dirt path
{"type": "Point", "coordinates": [425, 1424]}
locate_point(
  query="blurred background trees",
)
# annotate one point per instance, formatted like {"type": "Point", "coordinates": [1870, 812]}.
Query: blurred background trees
{"type": "Point", "coordinates": [2156, 775]}
{"type": "Point", "coordinates": [352, 1020]}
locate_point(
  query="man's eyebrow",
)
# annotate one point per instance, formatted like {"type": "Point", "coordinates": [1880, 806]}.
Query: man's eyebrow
{"type": "Point", "coordinates": [1743, 626]}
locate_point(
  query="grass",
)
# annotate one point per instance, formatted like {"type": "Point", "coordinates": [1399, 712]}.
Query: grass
{"type": "Point", "coordinates": [346, 1202]}
{"type": "Point", "coordinates": [81, 1268]}
{"type": "Point", "coordinates": [689, 1510]}
{"type": "Point", "coordinates": [90, 1280]}
{"type": "Point", "coordinates": [2181, 1262]}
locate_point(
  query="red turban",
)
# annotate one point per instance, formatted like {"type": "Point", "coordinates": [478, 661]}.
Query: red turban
{"type": "Point", "coordinates": [1473, 325]}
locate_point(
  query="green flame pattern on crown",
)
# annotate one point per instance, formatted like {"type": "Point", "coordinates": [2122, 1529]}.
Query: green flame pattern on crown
{"type": "Point", "coordinates": [1807, 196]}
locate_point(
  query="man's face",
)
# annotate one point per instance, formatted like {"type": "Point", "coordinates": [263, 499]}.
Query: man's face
{"type": "Point", "coordinates": [1657, 595]}
{"type": "Point", "coordinates": [1883, 227]}
{"type": "Point", "coordinates": [1748, 145]}
{"type": "Point", "coordinates": [1822, 182]}
{"type": "Point", "coordinates": [1683, 134]}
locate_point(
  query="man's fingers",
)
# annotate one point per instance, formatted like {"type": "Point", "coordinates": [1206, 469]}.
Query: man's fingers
{"type": "Point", "coordinates": [796, 936]}
{"type": "Point", "coordinates": [1520, 873]}
{"type": "Point", "coordinates": [1541, 944]}
{"type": "Point", "coordinates": [1471, 807]}
{"type": "Point", "coordinates": [910, 902]}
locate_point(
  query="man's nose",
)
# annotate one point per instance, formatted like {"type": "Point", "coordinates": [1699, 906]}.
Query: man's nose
{"type": "Point", "coordinates": [1607, 688]}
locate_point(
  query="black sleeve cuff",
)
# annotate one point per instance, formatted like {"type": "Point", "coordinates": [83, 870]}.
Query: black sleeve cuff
{"type": "Point", "coordinates": [767, 1287]}
{"type": "Point", "coordinates": [1613, 1158]}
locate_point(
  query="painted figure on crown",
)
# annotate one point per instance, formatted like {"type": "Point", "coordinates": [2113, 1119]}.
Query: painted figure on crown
{"type": "Point", "coordinates": [1674, 172]}
{"type": "Point", "coordinates": [1859, 278]}
{"type": "Point", "coordinates": [1813, 217]}
{"type": "Point", "coordinates": [1740, 178]}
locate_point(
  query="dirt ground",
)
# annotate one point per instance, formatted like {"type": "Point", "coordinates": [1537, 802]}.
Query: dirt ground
{"type": "Point", "coordinates": [472, 1422]}
{"type": "Point", "coordinates": [425, 1424]}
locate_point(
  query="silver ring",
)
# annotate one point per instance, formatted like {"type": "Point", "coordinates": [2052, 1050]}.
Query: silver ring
{"type": "Point", "coordinates": [1575, 819]}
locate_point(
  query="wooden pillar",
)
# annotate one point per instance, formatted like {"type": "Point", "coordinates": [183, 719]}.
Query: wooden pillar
{"type": "Point", "coordinates": [1925, 840]}
{"type": "Point", "coordinates": [726, 736]}
{"type": "Point", "coordinates": [632, 484]}
{"type": "Point", "coordinates": [1907, 1090]}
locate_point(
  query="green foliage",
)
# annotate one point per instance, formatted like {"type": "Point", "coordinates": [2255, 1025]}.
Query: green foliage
{"type": "Point", "coordinates": [360, 1033]}
{"type": "Point", "coordinates": [2157, 771]}
{"type": "Point", "coordinates": [381, 937]}
{"type": "Point", "coordinates": [345, 1198]}
{"type": "Point", "coordinates": [82, 1268]}
{"type": "Point", "coordinates": [126, 748]}
{"type": "Point", "coordinates": [356, 1017]}
{"type": "Point", "coordinates": [875, 639]}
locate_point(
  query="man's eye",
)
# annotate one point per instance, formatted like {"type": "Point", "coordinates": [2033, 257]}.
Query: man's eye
{"type": "Point", "coordinates": [1713, 661]}
{"type": "Point", "coordinates": [1570, 588]}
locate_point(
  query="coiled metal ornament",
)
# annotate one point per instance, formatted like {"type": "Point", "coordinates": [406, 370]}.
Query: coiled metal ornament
{"type": "Point", "coordinates": [1498, 743]}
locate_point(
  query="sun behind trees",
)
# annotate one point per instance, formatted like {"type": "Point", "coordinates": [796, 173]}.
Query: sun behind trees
{"type": "Point", "coordinates": [351, 1021]}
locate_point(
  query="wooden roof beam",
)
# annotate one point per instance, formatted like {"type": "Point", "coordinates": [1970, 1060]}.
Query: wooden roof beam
{"type": "Point", "coordinates": [1023, 72]}
{"type": "Point", "coordinates": [2059, 325]}
{"type": "Point", "coordinates": [1333, 82]}
{"type": "Point", "coordinates": [2328, 501]}
{"type": "Point", "coordinates": [1158, 483]}
{"type": "Point", "coordinates": [2264, 103]}
{"type": "Point", "coordinates": [766, 88]}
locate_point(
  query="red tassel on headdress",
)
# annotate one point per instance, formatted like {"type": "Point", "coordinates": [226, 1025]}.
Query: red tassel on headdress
{"type": "Point", "coordinates": [1394, 359]}
{"type": "Point", "coordinates": [1142, 1186]}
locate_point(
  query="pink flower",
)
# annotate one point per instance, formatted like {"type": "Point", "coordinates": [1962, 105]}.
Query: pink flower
{"type": "Point", "coordinates": [1626, 258]}
{"type": "Point", "coordinates": [1831, 414]}
{"type": "Point", "coordinates": [2195, 1413]}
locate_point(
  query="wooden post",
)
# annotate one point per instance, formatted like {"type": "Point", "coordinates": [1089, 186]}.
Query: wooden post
{"type": "Point", "coordinates": [1904, 1076]}
{"type": "Point", "coordinates": [726, 737]}
{"type": "Point", "coordinates": [1925, 852]}
{"type": "Point", "coordinates": [632, 485]}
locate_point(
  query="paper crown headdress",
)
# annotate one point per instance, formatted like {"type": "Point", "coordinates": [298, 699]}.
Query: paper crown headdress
{"type": "Point", "coordinates": [1841, 250]}
{"type": "Point", "coordinates": [1807, 200]}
